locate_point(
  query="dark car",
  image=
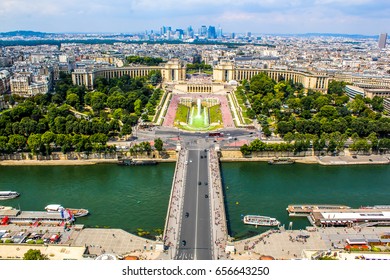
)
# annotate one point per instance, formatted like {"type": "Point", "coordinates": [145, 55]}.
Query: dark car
{"type": "Point", "coordinates": [187, 214]}
{"type": "Point", "coordinates": [199, 183]}
{"type": "Point", "coordinates": [206, 196]}
{"type": "Point", "coordinates": [184, 243]}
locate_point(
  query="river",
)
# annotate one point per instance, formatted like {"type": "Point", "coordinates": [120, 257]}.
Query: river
{"type": "Point", "coordinates": [137, 197]}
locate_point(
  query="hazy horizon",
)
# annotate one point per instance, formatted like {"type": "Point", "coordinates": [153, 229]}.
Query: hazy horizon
{"type": "Point", "coordinates": [225, 32]}
{"type": "Point", "coordinates": [362, 17]}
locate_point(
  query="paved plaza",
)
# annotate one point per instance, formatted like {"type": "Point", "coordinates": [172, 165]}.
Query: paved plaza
{"type": "Point", "coordinates": [287, 244]}
{"type": "Point", "coordinates": [227, 118]}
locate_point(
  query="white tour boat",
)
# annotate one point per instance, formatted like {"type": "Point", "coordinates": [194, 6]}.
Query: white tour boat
{"type": "Point", "coordinates": [260, 221]}
{"type": "Point", "coordinates": [8, 195]}
{"type": "Point", "coordinates": [72, 211]}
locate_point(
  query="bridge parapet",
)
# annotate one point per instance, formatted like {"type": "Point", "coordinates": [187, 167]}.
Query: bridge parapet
{"type": "Point", "coordinates": [172, 220]}
{"type": "Point", "coordinates": [218, 214]}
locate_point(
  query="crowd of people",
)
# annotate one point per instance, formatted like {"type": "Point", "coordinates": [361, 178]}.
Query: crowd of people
{"type": "Point", "coordinates": [171, 234]}
{"type": "Point", "coordinates": [217, 206]}
{"type": "Point", "coordinates": [251, 243]}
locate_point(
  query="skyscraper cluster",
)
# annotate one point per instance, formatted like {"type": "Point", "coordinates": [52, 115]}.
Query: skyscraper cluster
{"type": "Point", "coordinates": [210, 32]}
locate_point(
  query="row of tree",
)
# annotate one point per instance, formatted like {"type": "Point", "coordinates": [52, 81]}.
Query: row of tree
{"type": "Point", "coordinates": [47, 142]}
{"type": "Point", "coordinates": [329, 143]}
{"type": "Point", "coordinates": [285, 107]}
{"type": "Point", "coordinates": [74, 111]}
{"type": "Point", "coordinates": [144, 60]}
{"type": "Point", "coordinates": [349, 125]}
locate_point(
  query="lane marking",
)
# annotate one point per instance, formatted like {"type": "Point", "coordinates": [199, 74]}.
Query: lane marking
{"type": "Point", "coordinates": [196, 211]}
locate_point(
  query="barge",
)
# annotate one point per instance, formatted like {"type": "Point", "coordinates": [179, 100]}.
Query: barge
{"type": "Point", "coordinates": [275, 161]}
{"type": "Point", "coordinates": [350, 217]}
{"type": "Point", "coordinates": [131, 162]}
{"type": "Point", "coordinates": [303, 210]}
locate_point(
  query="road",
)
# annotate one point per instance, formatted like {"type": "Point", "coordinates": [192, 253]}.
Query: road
{"type": "Point", "coordinates": [195, 231]}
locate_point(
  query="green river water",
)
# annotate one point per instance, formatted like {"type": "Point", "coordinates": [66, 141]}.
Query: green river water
{"type": "Point", "coordinates": [137, 196]}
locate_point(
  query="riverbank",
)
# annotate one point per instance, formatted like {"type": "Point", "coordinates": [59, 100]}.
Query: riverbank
{"type": "Point", "coordinates": [59, 162]}
{"type": "Point", "coordinates": [306, 160]}
{"type": "Point", "coordinates": [64, 162]}
{"type": "Point", "coordinates": [322, 160]}
{"type": "Point", "coordinates": [354, 160]}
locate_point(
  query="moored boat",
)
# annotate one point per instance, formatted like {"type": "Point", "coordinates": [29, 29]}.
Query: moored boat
{"type": "Point", "coordinates": [301, 210]}
{"type": "Point", "coordinates": [73, 211]}
{"type": "Point", "coordinates": [130, 162]}
{"type": "Point", "coordinates": [257, 220]}
{"type": "Point", "coordinates": [376, 207]}
{"type": "Point", "coordinates": [281, 161]}
{"type": "Point", "coordinates": [8, 195]}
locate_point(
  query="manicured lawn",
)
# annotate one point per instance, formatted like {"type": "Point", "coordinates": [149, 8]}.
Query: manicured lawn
{"type": "Point", "coordinates": [182, 113]}
{"type": "Point", "coordinates": [215, 114]}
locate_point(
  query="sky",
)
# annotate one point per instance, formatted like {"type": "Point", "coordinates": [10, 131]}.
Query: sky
{"type": "Point", "coordinates": [368, 17]}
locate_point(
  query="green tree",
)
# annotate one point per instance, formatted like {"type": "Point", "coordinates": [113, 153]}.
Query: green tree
{"type": "Point", "coordinates": [357, 106]}
{"type": "Point", "coordinates": [98, 101]}
{"type": "Point", "coordinates": [34, 143]}
{"type": "Point", "coordinates": [245, 150]}
{"type": "Point", "coordinates": [332, 145]}
{"type": "Point", "coordinates": [377, 104]}
{"type": "Point", "coordinates": [158, 144]}
{"type": "Point", "coordinates": [16, 142]}
{"type": "Point", "coordinates": [47, 139]}
{"type": "Point", "coordinates": [320, 102]}
{"type": "Point", "coordinates": [32, 254]}
{"type": "Point", "coordinates": [3, 144]}
{"type": "Point", "coordinates": [258, 145]}
{"type": "Point", "coordinates": [73, 99]}
{"type": "Point", "coordinates": [284, 127]}
{"type": "Point", "coordinates": [360, 145]}
{"type": "Point", "coordinates": [137, 107]}
{"type": "Point", "coordinates": [336, 87]}
{"type": "Point", "coordinates": [262, 84]}
{"type": "Point", "coordinates": [328, 111]}
{"type": "Point", "coordinates": [126, 129]}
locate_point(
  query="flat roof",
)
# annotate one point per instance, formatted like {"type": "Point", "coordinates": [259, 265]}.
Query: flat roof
{"type": "Point", "coordinates": [352, 214]}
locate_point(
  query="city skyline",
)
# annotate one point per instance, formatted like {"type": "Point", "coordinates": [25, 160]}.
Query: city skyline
{"type": "Point", "coordinates": [366, 17]}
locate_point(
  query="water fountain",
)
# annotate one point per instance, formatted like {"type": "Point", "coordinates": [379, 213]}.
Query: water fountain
{"type": "Point", "coordinates": [199, 106]}
{"type": "Point", "coordinates": [198, 117]}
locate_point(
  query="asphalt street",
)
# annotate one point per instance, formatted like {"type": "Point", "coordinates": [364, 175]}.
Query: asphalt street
{"type": "Point", "coordinates": [195, 231]}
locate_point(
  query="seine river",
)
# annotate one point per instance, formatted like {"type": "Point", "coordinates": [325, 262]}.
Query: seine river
{"type": "Point", "coordinates": [137, 197]}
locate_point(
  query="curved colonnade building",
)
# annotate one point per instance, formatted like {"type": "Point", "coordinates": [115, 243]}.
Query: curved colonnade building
{"type": "Point", "coordinates": [226, 71]}
{"type": "Point", "coordinates": [172, 71]}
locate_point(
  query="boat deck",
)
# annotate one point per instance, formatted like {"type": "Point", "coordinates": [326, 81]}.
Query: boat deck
{"type": "Point", "coordinates": [345, 217]}
{"type": "Point", "coordinates": [17, 215]}
{"type": "Point", "coordinates": [306, 209]}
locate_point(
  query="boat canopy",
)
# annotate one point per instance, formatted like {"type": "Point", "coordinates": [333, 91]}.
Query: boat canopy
{"type": "Point", "coordinates": [54, 207]}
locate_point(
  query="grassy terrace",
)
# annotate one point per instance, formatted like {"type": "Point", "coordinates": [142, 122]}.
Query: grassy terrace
{"type": "Point", "coordinates": [241, 103]}
{"type": "Point", "coordinates": [182, 113]}
{"type": "Point", "coordinates": [195, 71]}
{"type": "Point", "coordinates": [215, 114]}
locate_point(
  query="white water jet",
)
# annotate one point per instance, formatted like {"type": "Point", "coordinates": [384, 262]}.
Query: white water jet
{"type": "Point", "coordinates": [199, 106]}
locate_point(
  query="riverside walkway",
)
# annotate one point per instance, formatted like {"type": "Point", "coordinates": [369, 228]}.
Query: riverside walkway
{"type": "Point", "coordinates": [195, 226]}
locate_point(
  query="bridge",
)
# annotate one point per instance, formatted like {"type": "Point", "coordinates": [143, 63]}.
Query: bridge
{"type": "Point", "coordinates": [195, 227]}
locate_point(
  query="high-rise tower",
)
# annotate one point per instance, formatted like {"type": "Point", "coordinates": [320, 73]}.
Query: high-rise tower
{"type": "Point", "coordinates": [382, 40]}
